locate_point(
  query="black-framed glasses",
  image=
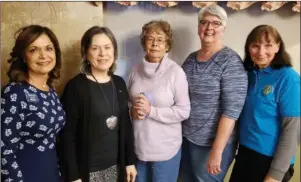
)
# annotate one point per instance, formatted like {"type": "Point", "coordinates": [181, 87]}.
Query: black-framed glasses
{"type": "Point", "coordinates": [214, 24]}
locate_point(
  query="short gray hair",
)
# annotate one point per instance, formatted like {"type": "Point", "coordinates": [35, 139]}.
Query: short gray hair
{"type": "Point", "coordinates": [215, 10]}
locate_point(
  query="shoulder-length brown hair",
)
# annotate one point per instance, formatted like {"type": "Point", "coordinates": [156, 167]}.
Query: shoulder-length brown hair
{"type": "Point", "coordinates": [281, 58]}
{"type": "Point", "coordinates": [18, 71]}
{"type": "Point", "coordinates": [86, 43]}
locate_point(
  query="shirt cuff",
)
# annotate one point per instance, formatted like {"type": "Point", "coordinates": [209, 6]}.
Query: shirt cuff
{"type": "Point", "coordinates": [278, 175]}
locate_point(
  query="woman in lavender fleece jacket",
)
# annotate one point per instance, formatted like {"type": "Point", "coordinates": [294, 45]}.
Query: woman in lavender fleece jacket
{"type": "Point", "coordinates": [158, 112]}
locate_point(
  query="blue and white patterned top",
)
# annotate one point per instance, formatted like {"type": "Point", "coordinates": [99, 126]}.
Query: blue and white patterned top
{"type": "Point", "coordinates": [30, 121]}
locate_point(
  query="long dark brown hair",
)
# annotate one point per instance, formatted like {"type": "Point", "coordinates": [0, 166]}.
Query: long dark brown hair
{"type": "Point", "coordinates": [281, 58]}
{"type": "Point", "coordinates": [18, 70]}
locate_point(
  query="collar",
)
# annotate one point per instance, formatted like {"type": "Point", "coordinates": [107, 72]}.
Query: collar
{"type": "Point", "coordinates": [153, 71]}
{"type": "Point", "coordinates": [268, 70]}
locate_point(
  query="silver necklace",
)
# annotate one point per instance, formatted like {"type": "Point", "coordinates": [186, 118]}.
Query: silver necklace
{"type": "Point", "coordinates": [43, 85]}
{"type": "Point", "coordinates": [112, 120]}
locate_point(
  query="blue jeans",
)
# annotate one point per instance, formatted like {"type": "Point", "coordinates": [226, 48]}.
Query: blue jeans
{"type": "Point", "coordinates": [194, 162]}
{"type": "Point", "coordinates": [162, 171]}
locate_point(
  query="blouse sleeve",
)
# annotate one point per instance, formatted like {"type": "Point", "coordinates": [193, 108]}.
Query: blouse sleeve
{"type": "Point", "coordinates": [234, 85]}
{"type": "Point", "coordinates": [12, 116]}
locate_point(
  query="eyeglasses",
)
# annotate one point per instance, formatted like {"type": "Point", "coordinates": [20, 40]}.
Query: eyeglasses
{"type": "Point", "coordinates": [151, 40]}
{"type": "Point", "coordinates": [214, 24]}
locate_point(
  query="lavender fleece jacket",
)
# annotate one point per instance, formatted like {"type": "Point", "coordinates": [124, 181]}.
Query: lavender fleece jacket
{"type": "Point", "coordinates": [159, 136]}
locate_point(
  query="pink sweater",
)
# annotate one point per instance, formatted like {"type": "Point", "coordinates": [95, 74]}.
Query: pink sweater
{"type": "Point", "coordinates": [159, 136]}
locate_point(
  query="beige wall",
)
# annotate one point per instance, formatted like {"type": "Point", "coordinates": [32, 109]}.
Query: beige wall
{"type": "Point", "coordinates": [126, 23]}
{"type": "Point", "coordinates": [68, 20]}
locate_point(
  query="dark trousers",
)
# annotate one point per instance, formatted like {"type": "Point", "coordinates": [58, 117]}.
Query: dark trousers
{"type": "Point", "coordinates": [251, 166]}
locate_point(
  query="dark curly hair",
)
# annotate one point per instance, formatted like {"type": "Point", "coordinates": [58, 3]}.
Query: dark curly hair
{"type": "Point", "coordinates": [281, 59]}
{"type": "Point", "coordinates": [18, 70]}
{"type": "Point", "coordinates": [157, 25]}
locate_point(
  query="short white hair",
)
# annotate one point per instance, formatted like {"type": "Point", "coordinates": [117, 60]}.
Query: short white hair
{"type": "Point", "coordinates": [215, 10]}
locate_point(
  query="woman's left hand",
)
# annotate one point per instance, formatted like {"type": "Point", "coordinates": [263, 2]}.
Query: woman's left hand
{"type": "Point", "coordinates": [131, 173]}
{"type": "Point", "coordinates": [270, 179]}
{"type": "Point", "coordinates": [143, 103]}
{"type": "Point", "coordinates": [214, 162]}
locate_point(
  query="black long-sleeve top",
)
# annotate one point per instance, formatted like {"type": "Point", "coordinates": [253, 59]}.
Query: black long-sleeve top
{"type": "Point", "coordinates": [104, 147]}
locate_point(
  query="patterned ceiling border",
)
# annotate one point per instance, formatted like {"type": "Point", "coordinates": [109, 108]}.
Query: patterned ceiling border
{"type": "Point", "coordinates": [235, 5]}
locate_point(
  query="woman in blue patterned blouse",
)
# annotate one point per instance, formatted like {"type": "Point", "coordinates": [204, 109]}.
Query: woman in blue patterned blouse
{"type": "Point", "coordinates": [31, 113]}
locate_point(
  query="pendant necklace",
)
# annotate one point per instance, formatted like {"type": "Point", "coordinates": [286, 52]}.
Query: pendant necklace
{"type": "Point", "coordinates": [112, 120]}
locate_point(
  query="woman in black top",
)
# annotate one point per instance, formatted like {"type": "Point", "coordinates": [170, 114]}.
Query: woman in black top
{"type": "Point", "coordinates": [98, 137]}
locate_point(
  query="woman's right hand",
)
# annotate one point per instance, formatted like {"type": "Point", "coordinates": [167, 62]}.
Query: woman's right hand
{"type": "Point", "coordinates": [79, 180]}
{"type": "Point", "coordinates": [137, 114]}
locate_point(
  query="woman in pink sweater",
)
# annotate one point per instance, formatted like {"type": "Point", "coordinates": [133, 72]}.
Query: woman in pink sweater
{"type": "Point", "coordinates": [159, 96]}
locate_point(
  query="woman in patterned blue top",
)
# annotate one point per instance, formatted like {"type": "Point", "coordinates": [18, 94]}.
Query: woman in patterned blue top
{"type": "Point", "coordinates": [31, 113]}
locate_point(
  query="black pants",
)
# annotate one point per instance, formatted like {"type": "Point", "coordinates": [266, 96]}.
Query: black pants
{"type": "Point", "coordinates": [251, 166]}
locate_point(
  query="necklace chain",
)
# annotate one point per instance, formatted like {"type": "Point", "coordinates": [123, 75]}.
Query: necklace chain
{"type": "Point", "coordinates": [105, 94]}
{"type": "Point", "coordinates": [43, 85]}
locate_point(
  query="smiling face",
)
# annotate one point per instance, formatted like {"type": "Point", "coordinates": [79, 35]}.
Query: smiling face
{"type": "Point", "coordinates": [210, 29]}
{"type": "Point", "coordinates": [40, 56]}
{"type": "Point", "coordinates": [155, 45]}
{"type": "Point", "coordinates": [100, 53]}
{"type": "Point", "coordinates": [263, 52]}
